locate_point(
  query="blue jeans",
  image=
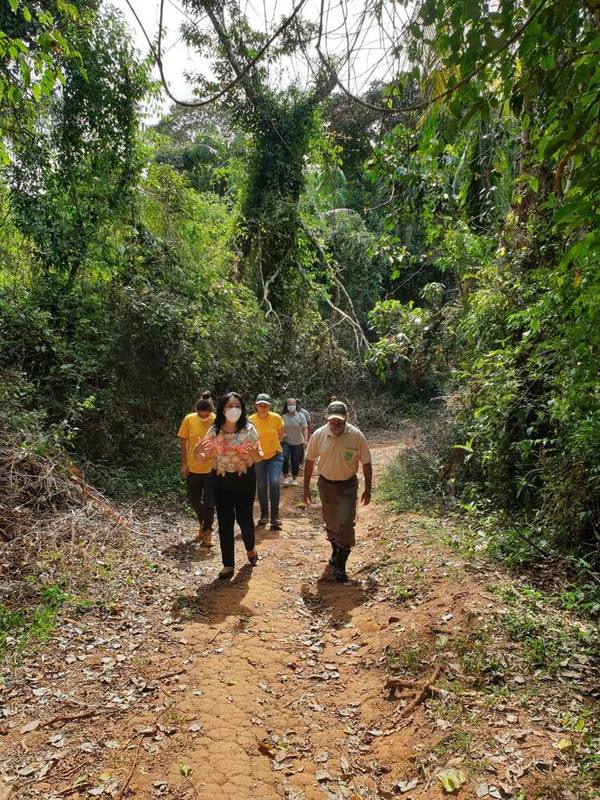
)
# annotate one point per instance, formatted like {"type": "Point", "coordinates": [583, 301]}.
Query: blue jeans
{"type": "Point", "coordinates": [268, 473]}
{"type": "Point", "coordinates": [294, 453]}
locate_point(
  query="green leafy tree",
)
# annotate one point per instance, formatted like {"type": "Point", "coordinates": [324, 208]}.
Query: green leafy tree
{"type": "Point", "coordinates": [35, 39]}
{"type": "Point", "coordinates": [76, 166]}
{"type": "Point", "coordinates": [510, 123]}
{"type": "Point", "coordinates": [206, 147]}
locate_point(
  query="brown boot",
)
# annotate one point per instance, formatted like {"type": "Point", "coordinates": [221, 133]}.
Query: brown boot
{"type": "Point", "coordinates": [333, 558]}
{"type": "Point", "coordinates": [206, 535]}
{"type": "Point", "coordinates": [339, 566]}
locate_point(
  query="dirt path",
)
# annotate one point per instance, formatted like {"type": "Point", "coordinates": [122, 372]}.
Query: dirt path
{"type": "Point", "coordinates": [273, 685]}
{"type": "Point", "coordinates": [275, 674]}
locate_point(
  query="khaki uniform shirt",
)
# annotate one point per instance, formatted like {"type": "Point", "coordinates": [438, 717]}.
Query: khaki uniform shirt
{"type": "Point", "coordinates": [338, 456]}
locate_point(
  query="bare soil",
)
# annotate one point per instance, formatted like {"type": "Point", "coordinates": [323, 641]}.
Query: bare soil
{"type": "Point", "coordinates": [273, 685]}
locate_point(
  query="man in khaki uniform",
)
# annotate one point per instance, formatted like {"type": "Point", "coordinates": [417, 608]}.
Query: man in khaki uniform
{"type": "Point", "coordinates": [338, 447]}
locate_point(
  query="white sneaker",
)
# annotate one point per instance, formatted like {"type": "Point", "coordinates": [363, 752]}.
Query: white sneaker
{"type": "Point", "coordinates": [287, 481]}
{"type": "Point", "coordinates": [294, 481]}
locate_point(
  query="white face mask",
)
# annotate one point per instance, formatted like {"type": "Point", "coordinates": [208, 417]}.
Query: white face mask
{"type": "Point", "coordinates": [292, 408]}
{"type": "Point", "coordinates": [233, 414]}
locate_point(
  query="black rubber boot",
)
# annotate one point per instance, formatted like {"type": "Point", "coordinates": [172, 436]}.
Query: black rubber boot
{"type": "Point", "coordinates": [334, 549]}
{"type": "Point", "coordinates": [339, 568]}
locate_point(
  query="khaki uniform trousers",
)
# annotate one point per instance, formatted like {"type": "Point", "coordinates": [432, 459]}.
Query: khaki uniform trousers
{"type": "Point", "coordinates": [338, 502]}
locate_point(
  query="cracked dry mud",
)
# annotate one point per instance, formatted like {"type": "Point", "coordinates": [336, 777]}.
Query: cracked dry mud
{"type": "Point", "coordinates": [273, 685]}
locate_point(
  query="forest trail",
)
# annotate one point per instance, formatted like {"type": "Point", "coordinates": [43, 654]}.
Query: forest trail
{"type": "Point", "coordinates": [273, 685]}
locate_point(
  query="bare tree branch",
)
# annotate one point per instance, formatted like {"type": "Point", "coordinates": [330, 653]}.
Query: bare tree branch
{"type": "Point", "coordinates": [441, 95]}
{"type": "Point", "coordinates": [244, 71]}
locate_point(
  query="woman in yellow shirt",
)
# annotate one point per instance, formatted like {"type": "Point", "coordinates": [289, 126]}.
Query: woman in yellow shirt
{"type": "Point", "coordinates": [270, 429]}
{"type": "Point", "coordinates": [196, 471]}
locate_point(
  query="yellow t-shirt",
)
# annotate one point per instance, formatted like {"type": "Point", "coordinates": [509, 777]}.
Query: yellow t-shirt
{"type": "Point", "coordinates": [268, 432]}
{"type": "Point", "coordinates": [192, 429]}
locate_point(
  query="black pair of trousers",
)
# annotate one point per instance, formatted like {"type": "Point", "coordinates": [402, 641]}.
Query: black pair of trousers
{"type": "Point", "coordinates": [200, 496]}
{"type": "Point", "coordinates": [234, 500]}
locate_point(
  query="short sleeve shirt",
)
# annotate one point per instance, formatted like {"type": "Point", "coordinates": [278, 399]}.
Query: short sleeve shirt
{"type": "Point", "coordinates": [306, 416]}
{"type": "Point", "coordinates": [338, 457]}
{"type": "Point", "coordinates": [268, 432]}
{"type": "Point", "coordinates": [227, 457]}
{"type": "Point", "coordinates": [193, 429]}
{"type": "Point", "coordinates": [294, 426]}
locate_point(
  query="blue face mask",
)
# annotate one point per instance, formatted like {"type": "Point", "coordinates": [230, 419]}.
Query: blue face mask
{"type": "Point", "coordinates": [292, 408]}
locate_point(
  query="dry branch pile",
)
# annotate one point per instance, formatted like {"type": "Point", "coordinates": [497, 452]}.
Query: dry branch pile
{"type": "Point", "coordinates": [31, 486]}
{"type": "Point", "coordinates": [45, 504]}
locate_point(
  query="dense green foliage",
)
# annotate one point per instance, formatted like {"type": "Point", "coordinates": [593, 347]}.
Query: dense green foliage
{"type": "Point", "coordinates": [35, 38]}
{"type": "Point", "coordinates": [499, 184]}
{"type": "Point", "coordinates": [440, 237]}
{"type": "Point", "coordinates": [123, 285]}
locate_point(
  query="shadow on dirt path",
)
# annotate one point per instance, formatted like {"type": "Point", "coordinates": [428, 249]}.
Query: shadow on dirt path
{"type": "Point", "coordinates": [273, 685]}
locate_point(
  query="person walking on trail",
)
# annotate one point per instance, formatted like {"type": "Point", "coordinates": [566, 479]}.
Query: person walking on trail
{"type": "Point", "coordinates": [196, 472]}
{"type": "Point", "coordinates": [304, 412]}
{"type": "Point", "coordinates": [338, 447]}
{"type": "Point", "coordinates": [294, 439]}
{"type": "Point", "coordinates": [270, 429]}
{"type": "Point", "coordinates": [233, 443]}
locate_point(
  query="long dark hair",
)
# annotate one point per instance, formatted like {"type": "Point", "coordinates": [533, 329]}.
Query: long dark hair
{"type": "Point", "coordinates": [220, 412]}
{"type": "Point", "coordinates": [204, 402]}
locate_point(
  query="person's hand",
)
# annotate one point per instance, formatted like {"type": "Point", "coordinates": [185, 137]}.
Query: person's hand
{"type": "Point", "coordinates": [247, 448]}
{"type": "Point", "coordinates": [365, 498]}
{"type": "Point", "coordinates": [205, 447]}
{"type": "Point", "coordinates": [185, 471]}
{"type": "Point", "coordinates": [306, 497]}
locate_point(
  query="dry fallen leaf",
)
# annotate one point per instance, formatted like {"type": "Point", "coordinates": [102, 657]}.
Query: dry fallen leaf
{"type": "Point", "coordinates": [266, 748]}
{"type": "Point", "coordinates": [564, 744]}
{"type": "Point", "coordinates": [406, 786]}
{"type": "Point", "coordinates": [112, 744]}
{"type": "Point", "coordinates": [31, 726]}
{"type": "Point", "coordinates": [25, 772]}
{"type": "Point", "coordinates": [451, 779]}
